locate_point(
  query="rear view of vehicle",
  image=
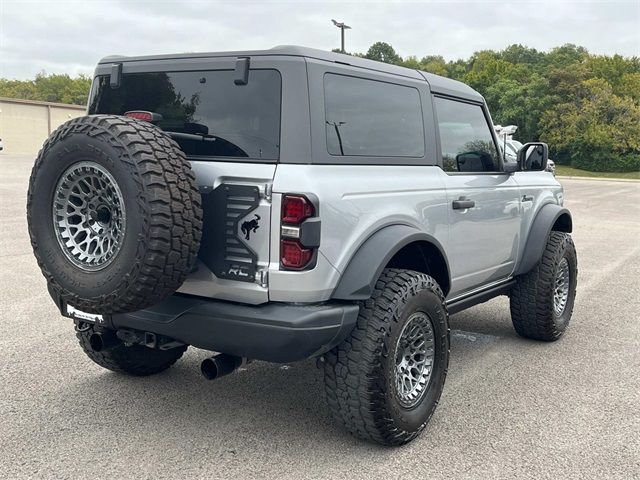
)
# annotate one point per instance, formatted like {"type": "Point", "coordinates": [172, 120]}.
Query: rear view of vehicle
{"type": "Point", "coordinates": [156, 225]}
{"type": "Point", "coordinates": [118, 199]}
{"type": "Point", "coordinates": [290, 204]}
{"type": "Point", "coordinates": [227, 123]}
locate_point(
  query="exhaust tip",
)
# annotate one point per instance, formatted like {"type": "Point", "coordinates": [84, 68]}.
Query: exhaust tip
{"type": "Point", "coordinates": [96, 342]}
{"type": "Point", "coordinates": [219, 365]}
{"type": "Point", "coordinates": [209, 369]}
{"type": "Point", "coordinates": [99, 341]}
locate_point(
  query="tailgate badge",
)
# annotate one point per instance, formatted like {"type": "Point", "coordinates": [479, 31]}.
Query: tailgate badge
{"type": "Point", "coordinates": [250, 226]}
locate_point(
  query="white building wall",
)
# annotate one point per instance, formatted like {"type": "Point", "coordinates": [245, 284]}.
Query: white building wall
{"type": "Point", "coordinates": [26, 124]}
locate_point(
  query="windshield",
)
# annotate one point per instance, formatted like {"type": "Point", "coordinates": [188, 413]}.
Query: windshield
{"type": "Point", "coordinates": [205, 112]}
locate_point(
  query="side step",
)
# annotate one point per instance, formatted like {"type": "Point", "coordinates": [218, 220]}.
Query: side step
{"type": "Point", "coordinates": [474, 298]}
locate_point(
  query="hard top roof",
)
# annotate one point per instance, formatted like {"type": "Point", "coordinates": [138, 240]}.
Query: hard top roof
{"type": "Point", "coordinates": [437, 83]}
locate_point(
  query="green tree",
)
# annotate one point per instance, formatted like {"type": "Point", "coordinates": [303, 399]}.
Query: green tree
{"type": "Point", "coordinates": [383, 52]}
{"type": "Point", "coordinates": [565, 55]}
{"type": "Point", "coordinates": [599, 131]}
{"type": "Point", "coordinates": [411, 62]}
{"type": "Point", "coordinates": [621, 73]}
{"type": "Point", "coordinates": [48, 88]}
{"type": "Point", "coordinates": [519, 54]}
{"type": "Point", "coordinates": [434, 64]}
{"type": "Point", "coordinates": [630, 86]}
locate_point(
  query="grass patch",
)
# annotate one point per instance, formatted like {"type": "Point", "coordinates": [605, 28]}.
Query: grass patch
{"type": "Point", "coordinates": [566, 171]}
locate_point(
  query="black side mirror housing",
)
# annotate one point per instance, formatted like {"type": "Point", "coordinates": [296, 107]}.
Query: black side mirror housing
{"type": "Point", "coordinates": [474, 162]}
{"type": "Point", "coordinates": [533, 157]}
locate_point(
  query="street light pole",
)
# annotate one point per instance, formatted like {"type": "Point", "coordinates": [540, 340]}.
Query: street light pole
{"type": "Point", "coordinates": [342, 26]}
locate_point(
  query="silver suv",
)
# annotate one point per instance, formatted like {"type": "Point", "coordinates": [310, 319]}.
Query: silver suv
{"type": "Point", "coordinates": [289, 204]}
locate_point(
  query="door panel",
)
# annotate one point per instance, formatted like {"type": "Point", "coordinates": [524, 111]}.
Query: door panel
{"type": "Point", "coordinates": [483, 240]}
{"type": "Point", "coordinates": [484, 203]}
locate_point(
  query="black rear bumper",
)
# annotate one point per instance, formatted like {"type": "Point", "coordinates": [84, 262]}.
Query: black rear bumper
{"type": "Point", "coordinates": [275, 332]}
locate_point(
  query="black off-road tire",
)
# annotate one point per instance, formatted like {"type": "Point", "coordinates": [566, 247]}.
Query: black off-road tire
{"type": "Point", "coordinates": [532, 298]}
{"type": "Point", "coordinates": [163, 225]}
{"type": "Point", "coordinates": [137, 360]}
{"type": "Point", "coordinates": [360, 373]}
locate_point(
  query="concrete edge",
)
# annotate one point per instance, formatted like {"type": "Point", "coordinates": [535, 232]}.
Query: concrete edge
{"type": "Point", "coordinates": [598, 179]}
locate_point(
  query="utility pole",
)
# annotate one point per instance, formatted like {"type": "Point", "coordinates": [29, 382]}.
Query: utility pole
{"type": "Point", "coordinates": [342, 26]}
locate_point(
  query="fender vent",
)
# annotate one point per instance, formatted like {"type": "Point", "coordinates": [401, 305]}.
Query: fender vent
{"type": "Point", "coordinates": [222, 250]}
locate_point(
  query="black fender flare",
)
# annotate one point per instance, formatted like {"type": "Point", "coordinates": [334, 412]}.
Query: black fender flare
{"type": "Point", "coordinates": [541, 227]}
{"type": "Point", "coordinates": [363, 270]}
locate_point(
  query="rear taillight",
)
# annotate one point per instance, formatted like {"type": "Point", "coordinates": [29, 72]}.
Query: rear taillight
{"type": "Point", "coordinates": [150, 117]}
{"type": "Point", "coordinates": [296, 209]}
{"type": "Point", "coordinates": [294, 255]}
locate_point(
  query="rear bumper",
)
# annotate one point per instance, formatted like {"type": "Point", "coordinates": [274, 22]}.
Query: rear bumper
{"type": "Point", "coordinates": [275, 332]}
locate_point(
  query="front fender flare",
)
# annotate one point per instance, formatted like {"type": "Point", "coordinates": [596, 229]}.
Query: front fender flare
{"type": "Point", "coordinates": [538, 235]}
{"type": "Point", "coordinates": [359, 278]}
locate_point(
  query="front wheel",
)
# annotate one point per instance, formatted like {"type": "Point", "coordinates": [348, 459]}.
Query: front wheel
{"type": "Point", "coordinates": [384, 381]}
{"type": "Point", "coordinates": [542, 300]}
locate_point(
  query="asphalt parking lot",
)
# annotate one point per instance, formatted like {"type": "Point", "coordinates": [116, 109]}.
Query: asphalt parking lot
{"type": "Point", "coordinates": [511, 407]}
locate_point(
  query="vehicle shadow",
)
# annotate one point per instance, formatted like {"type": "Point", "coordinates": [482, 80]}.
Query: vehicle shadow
{"type": "Point", "coordinates": [261, 400]}
{"type": "Point", "coordinates": [490, 318]}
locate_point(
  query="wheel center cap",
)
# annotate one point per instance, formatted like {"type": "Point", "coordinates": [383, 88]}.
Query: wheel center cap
{"type": "Point", "coordinates": [102, 215]}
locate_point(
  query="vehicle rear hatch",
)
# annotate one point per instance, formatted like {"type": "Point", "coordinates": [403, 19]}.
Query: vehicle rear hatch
{"type": "Point", "coordinates": [226, 118]}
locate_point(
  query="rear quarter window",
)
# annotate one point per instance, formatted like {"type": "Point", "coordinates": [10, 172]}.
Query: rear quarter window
{"type": "Point", "coordinates": [372, 118]}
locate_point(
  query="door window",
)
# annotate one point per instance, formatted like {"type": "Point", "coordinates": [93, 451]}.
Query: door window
{"type": "Point", "coordinates": [465, 137]}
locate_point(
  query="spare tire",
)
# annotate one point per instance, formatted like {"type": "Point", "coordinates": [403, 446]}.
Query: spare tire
{"type": "Point", "coordinates": [114, 214]}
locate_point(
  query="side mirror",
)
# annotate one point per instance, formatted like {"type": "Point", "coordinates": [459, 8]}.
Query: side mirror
{"type": "Point", "coordinates": [533, 157]}
{"type": "Point", "coordinates": [509, 167]}
{"type": "Point", "coordinates": [469, 162]}
{"type": "Point", "coordinates": [474, 162]}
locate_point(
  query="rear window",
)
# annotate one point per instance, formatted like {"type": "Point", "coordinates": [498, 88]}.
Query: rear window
{"type": "Point", "coordinates": [205, 112]}
{"type": "Point", "coordinates": [372, 118]}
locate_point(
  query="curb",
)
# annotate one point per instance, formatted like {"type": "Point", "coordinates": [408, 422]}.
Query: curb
{"type": "Point", "coordinates": [599, 179]}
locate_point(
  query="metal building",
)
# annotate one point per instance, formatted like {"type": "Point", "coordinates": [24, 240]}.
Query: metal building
{"type": "Point", "coordinates": [25, 124]}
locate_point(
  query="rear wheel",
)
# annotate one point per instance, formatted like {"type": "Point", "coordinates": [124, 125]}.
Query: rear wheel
{"type": "Point", "coordinates": [542, 300]}
{"type": "Point", "coordinates": [384, 382]}
{"type": "Point", "coordinates": [114, 355]}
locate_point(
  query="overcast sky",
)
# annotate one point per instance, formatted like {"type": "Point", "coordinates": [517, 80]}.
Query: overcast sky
{"type": "Point", "coordinates": [70, 36]}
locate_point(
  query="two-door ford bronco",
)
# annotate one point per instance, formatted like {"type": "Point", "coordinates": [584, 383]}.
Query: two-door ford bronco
{"type": "Point", "coordinates": [289, 204]}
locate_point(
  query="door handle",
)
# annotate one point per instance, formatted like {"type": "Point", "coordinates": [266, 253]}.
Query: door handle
{"type": "Point", "coordinates": [527, 198]}
{"type": "Point", "coordinates": [463, 203]}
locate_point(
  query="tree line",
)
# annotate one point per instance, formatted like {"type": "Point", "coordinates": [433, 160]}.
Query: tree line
{"type": "Point", "coordinates": [48, 88]}
{"type": "Point", "coordinates": [585, 106]}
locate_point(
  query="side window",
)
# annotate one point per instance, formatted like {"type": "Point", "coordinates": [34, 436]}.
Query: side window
{"type": "Point", "coordinates": [371, 118]}
{"type": "Point", "coordinates": [465, 138]}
